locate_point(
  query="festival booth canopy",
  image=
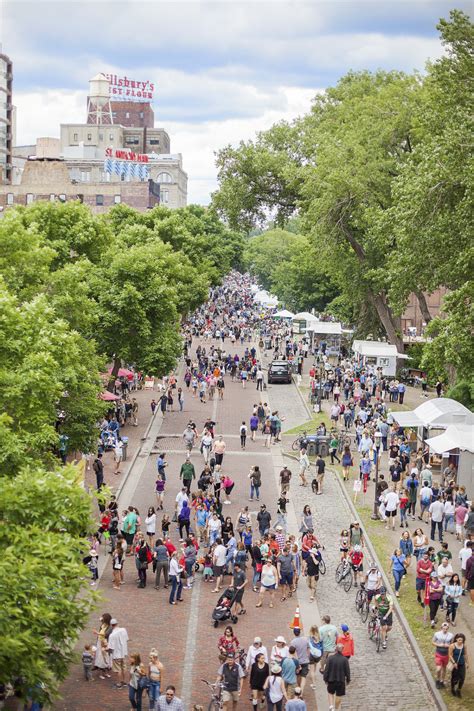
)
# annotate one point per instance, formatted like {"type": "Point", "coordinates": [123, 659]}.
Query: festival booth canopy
{"type": "Point", "coordinates": [108, 396]}
{"type": "Point", "coordinates": [376, 348]}
{"type": "Point", "coordinates": [439, 412]}
{"type": "Point", "coordinates": [123, 373]}
{"type": "Point", "coordinates": [332, 328]}
{"type": "Point", "coordinates": [304, 316]}
{"type": "Point", "coordinates": [284, 313]}
{"type": "Point", "coordinates": [455, 437]}
{"type": "Point", "coordinates": [265, 299]}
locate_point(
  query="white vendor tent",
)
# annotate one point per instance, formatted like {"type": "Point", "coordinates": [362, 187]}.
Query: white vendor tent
{"type": "Point", "coordinates": [325, 332]}
{"type": "Point", "coordinates": [304, 316]}
{"type": "Point", "coordinates": [379, 353]}
{"type": "Point", "coordinates": [333, 328]}
{"type": "Point", "coordinates": [438, 413]}
{"type": "Point", "coordinates": [265, 299]}
{"type": "Point", "coordinates": [284, 313]}
{"type": "Point", "coordinates": [457, 444]}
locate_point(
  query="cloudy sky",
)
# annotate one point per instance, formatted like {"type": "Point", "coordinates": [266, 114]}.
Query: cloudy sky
{"type": "Point", "coordinates": [223, 69]}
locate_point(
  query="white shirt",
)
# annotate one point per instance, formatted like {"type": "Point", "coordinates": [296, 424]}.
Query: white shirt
{"type": "Point", "coordinates": [444, 573]}
{"type": "Point", "coordinates": [425, 493]}
{"type": "Point", "coordinates": [448, 508]}
{"type": "Point", "coordinates": [279, 653]}
{"type": "Point", "coordinates": [180, 499]}
{"type": "Point", "coordinates": [174, 567]}
{"type": "Point", "coordinates": [391, 501]}
{"type": "Point", "coordinates": [220, 554]}
{"type": "Point", "coordinates": [118, 643]}
{"type": "Point", "coordinates": [259, 376]}
{"type": "Point", "coordinates": [150, 523]}
{"type": "Point", "coordinates": [214, 524]}
{"type": "Point", "coordinates": [437, 511]}
{"type": "Point", "coordinates": [252, 653]}
{"type": "Point", "coordinates": [464, 555]}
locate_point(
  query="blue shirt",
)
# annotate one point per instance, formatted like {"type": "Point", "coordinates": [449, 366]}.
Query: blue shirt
{"type": "Point", "coordinates": [288, 670]}
{"type": "Point", "coordinates": [295, 705]}
{"type": "Point", "coordinates": [201, 517]}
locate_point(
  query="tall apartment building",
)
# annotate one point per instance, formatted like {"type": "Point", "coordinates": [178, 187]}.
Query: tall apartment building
{"type": "Point", "coordinates": [6, 119]}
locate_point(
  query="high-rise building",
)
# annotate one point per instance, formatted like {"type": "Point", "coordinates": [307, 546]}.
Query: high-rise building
{"type": "Point", "coordinates": [6, 118]}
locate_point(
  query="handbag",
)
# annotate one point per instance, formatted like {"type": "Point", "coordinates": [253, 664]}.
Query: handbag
{"type": "Point", "coordinates": [450, 664]}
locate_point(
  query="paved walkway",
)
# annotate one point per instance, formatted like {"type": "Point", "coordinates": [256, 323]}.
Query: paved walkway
{"type": "Point", "coordinates": [184, 635]}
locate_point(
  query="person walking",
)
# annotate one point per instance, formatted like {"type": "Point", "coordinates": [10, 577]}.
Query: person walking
{"type": "Point", "coordinates": [117, 646]}
{"type": "Point", "coordinates": [296, 703]}
{"type": "Point", "coordinates": [269, 582]}
{"type": "Point", "coordinates": [347, 462]}
{"type": "Point", "coordinates": [275, 689]}
{"type": "Point", "coordinates": [337, 676]}
{"type": "Point", "coordinates": [328, 636]}
{"type": "Point", "coordinates": [347, 642]}
{"type": "Point", "coordinates": [161, 563]}
{"type": "Point", "coordinates": [231, 674]}
{"type": "Point", "coordinates": [98, 467]}
{"type": "Point", "coordinates": [169, 701]}
{"type": "Point", "coordinates": [175, 572]}
{"type": "Point", "coordinates": [398, 560]}
{"type": "Point", "coordinates": [320, 469]}
{"type": "Point", "coordinates": [304, 466]}
{"type": "Point", "coordinates": [155, 672]}
{"type": "Point", "coordinates": [436, 514]}
{"type": "Point", "coordinates": [259, 673]}
{"type": "Point", "coordinates": [441, 642]}
{"type": "Point", "coordinates": [311, 571]}
{"type": "Point", "coordinates": [255, 477]}
{"type": "Point", "coordinates": [187, 474]}
{"type": "Point", "coordinates": [459, 659]}
{"type": "Point", "coordinates": [301, 645]}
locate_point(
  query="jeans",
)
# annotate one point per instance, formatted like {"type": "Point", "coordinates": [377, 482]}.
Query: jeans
{"type": "Point", "coordinates": [451, 609]}
{"type": "Point", "coordinates": [398, 575]}
{"type": "Point", "coordinates": [181, 404]}
{"type": "Point", "coordinates": [142, 576]}
{"type": "Point", "coordinates": [434, 605]}
{"type": "Point", "coordinates": [161, 567]}
{"type": "Point", "coordinates": [449, 518]}
{"type": "Point", "coordinates": [403, 516]}
{"type": "Point", "coordinates": [135, 698]}
{"type": "Point", "coordinates": [176, 587]}
{"type": "Point", "coordinates": [212, 537]}
{"type": "Point", "coordinates": [438, 524]}
{"type": "Point", "coordinates": [274, 705]}
{"type": "Point", "coordinates": [254, 490]}
{"type": "Point", "coordinates": [153, 693]}
{"type": "Point", "coordinates": [259, 384]}
{"type": "Point", "coordinates": [457, 677]}
{"type": "Point", "coordinates": [333, 455]}
{"type": "Point", "coordinates": [256, 578]}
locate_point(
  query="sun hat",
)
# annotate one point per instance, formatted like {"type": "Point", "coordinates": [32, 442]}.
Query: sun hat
{"type": "Point", "coordinates": [281, 639]}
{"type": "Point", "coordinates": [276, 669]}
{"type": "Point", "coordinates": [257, 640]}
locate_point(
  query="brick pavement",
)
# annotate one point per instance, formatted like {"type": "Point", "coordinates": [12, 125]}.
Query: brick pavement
{"type": "Point", "coordinates": [151, 621]}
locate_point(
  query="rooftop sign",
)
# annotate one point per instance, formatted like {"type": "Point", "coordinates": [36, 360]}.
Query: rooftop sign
{"type": "Point", "coordinates": [126, 155]}
{"type": "Point", "coordinates": [125, 89]}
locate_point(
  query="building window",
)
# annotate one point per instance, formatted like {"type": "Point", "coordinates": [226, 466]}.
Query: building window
{"type": "Point", "coordinates": [85, 176]}
{"type": "Point", "coordinates": [164, 196]}
{"type": "Point", "coordinates": [117, 199]}
{"type": "Point", "coordinates": [111, 137]}
{"type": "Point", "coordinates": [62, 197]}
{"type": "Point", "coordinates": [154, 141]}
{"type": "Point", "coordinates": [127, 114]}
{"type": "Point", "coordinates": [76, 137]}
{"type": "Point", "coordinates": [29, 198]}
{"type": "Point", "coordinates": [164, 178]}
{"type": "Point", "coordinates": [99, 199]}
{"type": "Point", "coordinates": [89, 136]}
{"type": "Point", "coordinates": [101, 136]}
{"type": "Point", "coordinates": [141, 114]}
{"type": "Point", "coordinates": [52, 197]}
{"type": "Point", "coordinates": [9, 198]}
{"type": "Point", "coordinates": [132, 140]}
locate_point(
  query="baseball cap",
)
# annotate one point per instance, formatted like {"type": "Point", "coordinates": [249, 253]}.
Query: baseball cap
{"type": "Point", "coordinates": [278, 528]}
{"type": "Point", "coordinates": [113, 621]}
{"type": "Point", "coordinates": [230, 655]}
{"type": "Point", "coordinates": [344, 628]}
{"type": "Point", "coordinates": [257, 640]}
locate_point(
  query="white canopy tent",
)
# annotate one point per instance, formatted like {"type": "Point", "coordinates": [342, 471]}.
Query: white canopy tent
{"type": "Point", "coordinates": [457, 443]}
{"type": "Point", "coordinates": [304, 316]}
{"type": "Point", "coordinates": [333, 328]}
{"type": "Point", "coordinates": [265, 299]}
{"type": "Point", "coordinates": [284, 313]}
{"type": "Point", "coordinates": [438, 413]}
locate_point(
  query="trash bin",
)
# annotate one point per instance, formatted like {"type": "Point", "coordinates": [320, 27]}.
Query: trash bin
{"type": "Point", "coordinates": [311, 445]}
{"type": "Point", "coordinates": [323, 445]}
{"type": "Point", "coordinates": [268, 344]}
{"type": "Point", "coordinates": [124, 448]}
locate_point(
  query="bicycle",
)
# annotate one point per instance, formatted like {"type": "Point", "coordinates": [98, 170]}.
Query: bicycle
{"type": "Point", "coordinates": [374, 629]}
{"type": "Point", "coordinates": [344, 575]}
{"type": "Point", "coordinates": [362, 603]}
{"type": "Point", "coordinates": [322, 564]}
{"type": "Point", "coordinates": [299, 442]}
{"type": "Point", "coordinates": [216, 703]}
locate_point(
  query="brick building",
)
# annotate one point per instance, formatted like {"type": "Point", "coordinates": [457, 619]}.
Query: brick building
{"type": "Point", "coordinates": [49, 179]}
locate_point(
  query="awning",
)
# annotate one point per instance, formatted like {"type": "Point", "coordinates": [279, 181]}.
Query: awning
{"type": "Point", "coordinates": [407, 419]}
{"type": "Point", "coordinates": [123, 373]}
{"type": "Point", "coordinates": [284, 313]}
{"type": "Point", "coordinates": [455, 437]}
{"type": "Point", "coordinates": [108, 396]}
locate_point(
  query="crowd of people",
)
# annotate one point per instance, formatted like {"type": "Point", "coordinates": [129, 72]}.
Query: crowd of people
{"type": "Point", "coordinates": [243, 553]}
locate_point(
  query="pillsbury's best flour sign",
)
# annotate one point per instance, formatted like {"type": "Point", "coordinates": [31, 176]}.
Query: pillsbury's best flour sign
{"type": "Point", "coordinates": [125, 89]}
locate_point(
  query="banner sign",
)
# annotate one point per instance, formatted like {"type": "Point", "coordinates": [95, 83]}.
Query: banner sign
{"type": "Point", "coordinates": [121, 154]}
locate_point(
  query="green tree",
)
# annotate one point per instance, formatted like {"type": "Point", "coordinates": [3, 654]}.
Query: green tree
{"type": "Point", "coordinates": [431, 216]}
{"type": "Point", "coordinates": [45, 369]}
{"type": "Point", "coordinates": [44, 598]}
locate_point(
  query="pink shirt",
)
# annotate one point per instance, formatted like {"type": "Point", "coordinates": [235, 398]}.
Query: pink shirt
{"type": "Point", "coordinates": [460, 514]}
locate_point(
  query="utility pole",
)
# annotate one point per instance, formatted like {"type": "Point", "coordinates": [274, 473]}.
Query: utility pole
{"type": "Point", "coordinates": [378, 440]}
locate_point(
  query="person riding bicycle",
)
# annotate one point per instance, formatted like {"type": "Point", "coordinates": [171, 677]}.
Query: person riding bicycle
{"type": "Point", "coordinates": [373, 581]}
{"type": "Point", "coordinates": [356, 556]}
{"type": "Point", "coordinates": [384, 606]}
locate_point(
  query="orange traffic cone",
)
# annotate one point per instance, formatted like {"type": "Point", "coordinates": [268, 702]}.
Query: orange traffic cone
{"type": "Point", "coordinates": [296, 620]}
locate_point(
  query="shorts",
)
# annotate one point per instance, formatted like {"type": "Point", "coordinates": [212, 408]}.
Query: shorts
{"type": "Point", "coordinates": [357, 568]}
{"type": "Point", "coordinates": [441, 660]}
{"type": "Point", "coordinates": [286, 579]}
{"type": "Point", "coordinates": [337, 687]}
{"type": "Point", "coordinates": [420, 584]}
{"type": "Point", "coordinates": [230, 696]}
{"type": "Point", "coordinates": [118, 665]}
{"type": "Point", "coordinates": [388, 622]}
{"type": "Point", "coordinates": [470, 584]}
{"type": "Point", "coordinates": [304, 670]}
{"type": "Point", "coordinates": [238, 596]}
{"type": "Point", "coordinates": [389, 514]}
{"type": "Point", "coordinates": [269, 587]}
{"type": "Point", "coordinates": [218, 570]}
{"type": "Point", "coordinates": [459, 529]}
{"type": "Point", "coordinates": [129, 538]}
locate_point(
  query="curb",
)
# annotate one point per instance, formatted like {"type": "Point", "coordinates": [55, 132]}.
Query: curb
{"type": "Point", "coordinates": [305, 404]}
{"type": "Point", "coordinates": [438, 699]}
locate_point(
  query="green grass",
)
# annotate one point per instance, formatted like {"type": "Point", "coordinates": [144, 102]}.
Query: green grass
{"type": "Point", "coordinates": [311, 425]}
{"type": "Point", "coordinates": [413, 611]}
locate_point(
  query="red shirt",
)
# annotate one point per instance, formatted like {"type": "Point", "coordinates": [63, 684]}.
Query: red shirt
{"type": "Point", "coordinates": [347, 642]}
{"type": "Point", "coordinates": [356, 557]}
{"type": "Point", "coordinates": [169, 547]}
{"type": "Point", "coordinates": [424, 569]}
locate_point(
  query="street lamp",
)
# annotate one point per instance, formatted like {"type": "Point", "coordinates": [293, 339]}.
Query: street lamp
{"type": "Point", "coordinates": [378, 441]}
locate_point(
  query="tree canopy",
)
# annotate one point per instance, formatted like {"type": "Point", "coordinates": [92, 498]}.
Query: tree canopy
{"type": "Point", "coordinates": [380, 173]}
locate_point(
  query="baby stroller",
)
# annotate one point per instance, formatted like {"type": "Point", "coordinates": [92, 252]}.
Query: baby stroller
{"type": "Point", "coordinates": [222, 610]}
